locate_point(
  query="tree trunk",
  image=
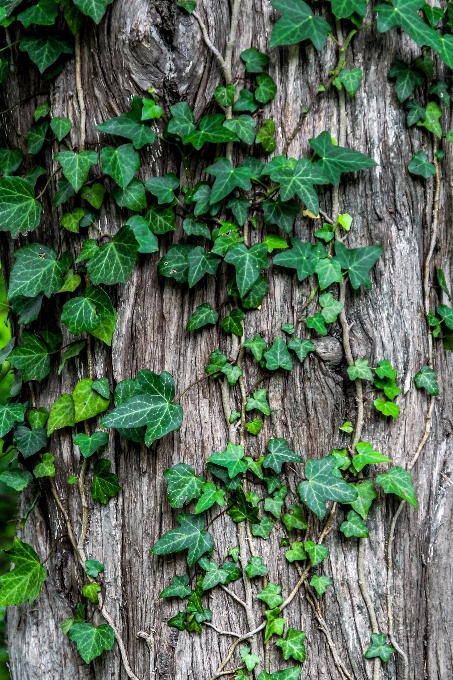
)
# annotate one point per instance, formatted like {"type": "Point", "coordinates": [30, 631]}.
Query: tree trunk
{"type": "Point", "coordinates": [139, 45]}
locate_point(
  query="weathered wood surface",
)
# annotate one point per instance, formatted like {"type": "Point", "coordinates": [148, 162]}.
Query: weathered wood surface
{"type": "Point", "coordinates": [153, 44]}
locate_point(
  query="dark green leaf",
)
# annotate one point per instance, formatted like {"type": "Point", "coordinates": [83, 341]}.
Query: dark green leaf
{"type": "Point", "coordinates": [228, 178]}
{"type": "Point", "coordinates": [420, 165]}
{"type": "Point", "coordinates": [298, 23]}
{"type": "Point", "coordinates": [256, 346]}
{"type": "Point", "coordinates": [225, 95]}
{"type": "Point", "coordinates": [200, 263]}
{"type": "Point", "coordinates": [19, 211]}
{"type": "Point", "coordinates": [317, 323]}
{"type": "Point", "coordinates": [277, 356]}
{"type": "Point", "coordinates": [183, 484]}
{"type": "Point", "coordinates": [405, 13]}
{"type": "Point", "coordinates": [426, 379]}
{"type": "Point", "coordinates": [243, 127]}
{"type": "Point", "coordinates": [407, 79]}
{"type": "Point", "coordinates": [76, 166]}
{"type": "Point", "coordinates": [163, 187]}
{"type": "Point", "coordinates": [190, 536]}
{"type": "Point", "coordinates": [316, 552]}
{"type": "Point", "coordinates": [299, 257]}
{"type": "Point", "coordinates": [322, 485]}
{"type": "Point", "coordinates": [89, 445]}
{"type": "Point", "coordinates": [232, 459]}
{"type": "Point", "coordinates": [105, 484]}
{"type": "Point", "coordinates": [130, 126]}
{"type": "Point", "coordinates": [202, 316]}
{"type": "Point", "coordinates": [354, 526]}
{"type": "Point", "coordinates": [279, 453]}
{"type": "Point", "coordinates": [91, 641]}
{"type": "Point", "coordinates": [32, 357]}
{"type": "Point", "coordinates": [248, 263]}
{"type": "Point", "coordinates": [114, 261]}
{"type": "Point", "coordinates": [121, 163]}
{"type": "Point", "coordinates": [24, 582]}
{"type": "Point", "coordinates": [254, 60]}
{"type": "Point", "coordinates": [259, 402]}
{"type": "Point", "coordinates": [147, 241]}
{"type": "Point", "coordinates": [94, 9]}
{"type": "Point", "coordinates": [44, 51]}
{"type": "Point", "coordinates": [181, 124]}
{"type": "Point", "coordinates": [245, 102]}
{"type": "Point", "coordinates": [334, 160]}
{"type": "Point", "coordinates": [132, 197]}
{"type": "Point", "coordinates": [10, 160]}
{"type": "Point", "coordinates": [266, 136]}
{"type": "Point", "coordinates": [295, 519]}
{"type": "Point", "coordinates": [36, 136]}
{"type": "Point", "coordinates": [211, 130]}
{"type": "Point", "coordinates": [29, 442]}
{"type": "Point", "coordinates": [233, 322]}
{"type": "Point", "coordinates": [267, 89]}
{"type": "Point", "coordinates": [161, 221]}
{"type": "Point", "coordinates": [193, 228]}
{"type": "Point", "coordinates": [292, 645]}
{"type": "Point", "coordinates": [60, 127]}
{"type": "Point", "coordinates": [177, 588]}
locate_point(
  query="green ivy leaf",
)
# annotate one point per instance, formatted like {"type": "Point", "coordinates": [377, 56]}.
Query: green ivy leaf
{"type": "Point", "coordinates": [354, 526]}
{"type": "Point", "coordinates": [275, 624]}
{"type": "Point", "coordinates": [243, 127]}
{"type": "Point", "coordinates": [360, 370]}
{"type": "Point", "coordinates": [358, 262]}
{"type": "Point", "coordinates": [200, 263]}
{"type": "Point", "coordinates": [132, 197]}
{"type": "Point", "coordinates": [228, 178]}
{"type": "Point", "coordinates": [239, 206]}
{"type": "Point", "coordinates": [214, 574]}
{"type": "Point", "coordinates": [404, 13]}
{"type": "Point", "coordinates": [431, 121]}
{"type": "Point", "coordinates": [351, 79]}
{"type": "Point", "coordinates": [105, 484]}
{"type": "Point", "coordinates": [183, 484]}
{"type": "Point", "coordinates": [250, 660]}
{"type": "Point", "coordinates": [45, 51]}
{"type": "Point", "coordinates": [9, 415]}
{"type": "Point", "coordinates": [25, 581]}
{"type": "Point", "coordinates": [398, 481]}
{"type": "Point", "coordinates": [301, 347]}
{"type": "Point", "coordinates": [292, 645]}
{"type": "Point", "coordinates": [91, 641]}
{"type": "Point", "coordinates": [87, 402]}
{"type": "Point", "coordinates": [366, 493]}
{"type": "Point", "coordinates": [292, 673]}
{"type": "Point", "coordinates": [193, 228]}
{"type": "Point", "coordinates": [296, 553]}
{"type": "Point", "coordinates": [298, 23]}
{"type": "Point", "coordinates": [441, 90]}
{"type": "Point", "coordinates": [91, 592]}
{"type": "Point", "coordinates": [120, 163]}
{"type": "Point", "coordinates": [181, 124]}
{"type": "Point", "coordinates": [256, 346]}
{"type": "Point", "coordinates": [32, 357]}
{"type": "Point", "coordinates": [295, 519]}
{"type": "Point", "coordinates": [280, 213]}
{"type": "Point", "coordinates": [256, 567]}
{"type": "Point", "coordinates": [225, 95]}
{"type": "Point", "coordinates": [248, 263]}
{"type": "Point", "coordinates": [161, 221]}
{"type": "Point", "coordinates": [317, 322]}
{"type": "Point", "coordinates": [416, 112]}
{"type": "Point", "coordinates": [367, 456]}
{"type": "Point", "coordinates": [264, 528]}
{"type": "Point", "coordinates": [19, 211]}
{"type": "Point", "coordinates": [46, 468]}
{"type": "Point", "coordinates": [299, 257]}
{"type": "Point", "coordinates": [211, 130]}
{"type": "Point", "coordinates": [387, 408]}
{"type": "Point", "coordinates": [266, 90]}
{"type": "Point", "coordinates": [334, 160]}
{"type": "Point", "coordinates": [407, 79]}
{"type": "Point", "coordinates": [210, 495]}
{"type": "Point", "coordinates": [113, 262]}
{"type": "Point", "coordinates": [379, 648]}
{"type": "Point", "coordinates": [79, 314]}
{"type": "Point", "coordinates": [73, 351]}
{"type": "Point", "coordinates": [320, 583]}
{"type": "Point", "coordinates": [259, 402]}
{"type": "Point", "coordinates": [245, 102]}
{"type": "Point", "coordinates": [190, 536]}
{"type": "Point", "coordinates": [10, 160]}
{"type": "Point", "coordinates": [16, 479]}
{"type": "Point", "coordinates": [277, 356]}
{"type": "Point", "coordinates": [29, 442]}
{"type": "Point", "coordinates": [163, 187]}
{"type": "Point", "coordinates": [130, 126]}
{"type": "Point", "coordinates": [232, 459]}
{"type": "Point", "coordinates": [271, 595]}
{"type": "Point", "coordinates": [254, 60]}
{"type": "Point", "coordinates": [96, 10]}
{"type": "Point", "coordinates": [316, 552]}
{"type": "Point", "coordinates": [202, 316]}
{"type": "Point", "coordinates": [426, 379]}
{"type": "Point", "coordinates": [330, 307]}
{"type": "Point", "coordinates": [279, 453]}
{"type": "Point", "coordinates": [233, 322]}
{"type": "Point", "coordinates": [36, 271]}
{"type": "Point", "coordinates": [322, 485]}
{"type": "Point", "coordinates": [177, 588]}
{"type": "Point", "coordinates": [36, 136]}
{"type": "Point", "coordinates": [420, 165]}
{"type": "Point", "coordinates": [76, 166]}
{"type": "Point", "coordinates": [62, 414]}
{"type": "Point", "coordinates": [154, 407]}
{"type": "Point", "coordinates": [60, 127]}
{"type": "Point", "coordinates": [89, 445]}
{"type": "Point", "coordinates": [105, 311]}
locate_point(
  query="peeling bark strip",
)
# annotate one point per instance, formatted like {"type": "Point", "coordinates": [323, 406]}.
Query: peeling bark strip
{"type": "Point", "coordinates": [141, 45]}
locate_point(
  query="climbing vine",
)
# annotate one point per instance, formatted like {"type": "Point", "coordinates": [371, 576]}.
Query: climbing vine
{"type": "Point", "coordinates": [218, 216]}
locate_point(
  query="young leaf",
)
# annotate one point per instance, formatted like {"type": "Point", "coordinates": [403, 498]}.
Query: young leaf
{"type": "Point", "coordinates": [62, 414]}
{"type": "Point", "coordinates": [334, 160]}
{"type": "Point", "coordinates": [19, 211]}
{"type": "Point", "coordinates": [330, 307]}
{"type": "Point", "coordinates": [387, 408]}
{"type": "Point", "coordinates": [232, 459]}
{"type": "Point", "coordinates": [351, 80]}
{"type": "Point", "coordinates": [87, 402]}
{"type": "Point", "coordinates": [25, 581]}
{"type": "Point", "coordinates": [264, 528]}
{"type": "Point", "coordinates": [320, 583]}
{"type": "Point", "coordinates": [210, 495]}
{"type": "Point", "coordinates": [105, 484]}
{"type": "Point", "coordinates": [301, 347]}
{"type": "Point", "coordinates": [360, 370]}
{"type": "Point", "coordinates": [277, 356]}
{"type": "Point", "coordinates": [354, 526]}
{"type": "Point", "coordinates": [91, 641]}
{"type": "Point", "coordinates": [256, 346]}
{"type": "Point", "coordinates": [255, 61]}
{"type": "Point", "coordinates": [259, 402]}
{"type": "Point", "coordinates": [295, 519]}
{"type": "Point", "coordinates": [250, 660]}
{"type": "Point", "coordinates": [121, 163]}
{"type": "Point", "coordinates": [271, 595]}
{"type": "Point", "coordinates": [275, 624]}
{"type": "Point", "coordinates": [322, 485]}
{"type": "Point", "coordinates": [214, 574]}
{"type": "Point", "coordinates": [243, 127]}
{"type": "Point", "coordinates": [254, 426]}
{"type": "Point", "coordinates": [316, 552]}
{"type": "Point", "coordinates": [292, 645]}
{"type": "Point", "coordinates": [432, 119]}
{"type": "Point", "coordinates": [298, 23]}
{"type": "Point", "coordinates": [91, 592]}
{"type": "Point", "coordinates": [46, 468]}
{"type": "Point", "coordinates": [279, 453]}
{"type": "Point", "coordinates": [379, 648]}
{"type": "Point", "coordinates": [190, 536]}
{"type": "Point", "coordinates": [255, 567]}
{"type": "Point", "coordinates": [183, 484]}
{"type": "Point", "coordinates": [426, 379]}
{"type": "Point", "coordinates": [317, 322]}
{"type": "Point", "coordinates": [398, 481]}
{"type": "Point", "coordinates": [89, 445]}
{"type": "Point", "coordinates": [366, 493]}
{"type": "Point", "coordinates": [367, 456]}
{"type": "Point", "coordinates": [296, 553]}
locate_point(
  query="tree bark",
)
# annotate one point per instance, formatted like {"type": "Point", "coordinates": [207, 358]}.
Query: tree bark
{"type": "Point", "coordinates": [143, 44]}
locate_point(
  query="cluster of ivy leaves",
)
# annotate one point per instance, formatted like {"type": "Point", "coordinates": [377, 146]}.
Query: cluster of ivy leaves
{"type": "Point", "coordinates": [217, 212]}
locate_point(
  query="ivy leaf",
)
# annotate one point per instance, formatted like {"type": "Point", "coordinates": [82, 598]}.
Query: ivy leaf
{"type": "Point", "coordinates": [279, 453]}
{"type": "Point", "coordinates": [292, 673]}
{"type": "Point", "coordinates": [387, 408]}
{"type": "Point", "coordinates": [79, 314]}
{"type": "Point", "coordinates": [232, 459]}
{"type": "Point", "coordinates": [275, 624]}
{"type": "Point", "coordinates": [190, 536]}
{"type": "Point", "coordinates": [271, 595]}
{"type": "Point", "coordinates": [296, 553]}
{"type": "Point", "coordinates": [202, 316]}
{"type": "Point", "coordinates": [277, 356]}
{"type": "Point", "coordinates": [320, 583]}
{"type": "Point", "coordinates": [354, 526]}
{"type": "Point", "coordinates": [210, 495]}
{"type": "Point", "coordinates": [62, 414]}
{"type": "Point", "coordinates": [19, 211]}
{"type": "Point", "coordinates": [193, 228]}
{"type": "Point", "coordinates": [366, 493]}
{"type": "Point", "coordinates": [105, 484]}
{"type": "Point", "coordinates": [183, 484]}
{"type": "Point", "coordinates": [36, 136]}
{"type": "Point", "coordinates": [298, 23]}
{"type": "Point", "coordinates": [29, 442]}
{"type": "Point", "coordinates": [431, 121]}
{"type": "Point", "coordinates": [154, 407]}
{"type": "Point", "coordinates": [256, 567]}
{"type": "Point", "coordinates": [89, 445]}
{"type": "Point", "coordinates": [248, 263]}
{"type": "Point", "coordinates": [17, 480]}
{"type": "Point", "coordinates": [264, 528]}
{"type": "Point", "coordinates": [9, 415]}
{"type": "Point", "coordinates": [44, 51]}
{"type": "Point", "coordinates": [121, 163]}
{"type": "Point", "coordinates": [351, 80]}
{"type": "Point", "coordinates": [301, 347]}
{"type": "Point", "coordinates": [280, 213]}
{"type": "Point", "coordinates": [398, 481]}
{"type": "Point", "coordinates": [334, 160]}
{"type": "Point", "coordinates": [292, 645]}
{"type": "Point", "coordinates": [358, 262]}
{"type": "Point", "coordinates": [181, 124]}
{"type": "Point", "coordinates": [91, 641]}
{"type": "Point", "coordinates": [46, 468]}
{"type": "Point", "coordinates": [317, 323]}
{"type": "Point", "coordinates": [228, 178]}
{"type": "Point", "coordinates": [175, 263]}
{"type": "Point", "coordinates": [91, 592]}
{"type": "Point", "coordinates": [330, 307]}
{"type": "Point", "coordinates": [256, 346]}
{"type": "Point", "coordinates": [239, 206]}
{"type": "Point", "coordinates": [407, 79]}
{"type": "Point", "coordinates": [60, 127]}
{"type": "Point", "coordinates": [426, 379]}
{"type": "Point", "coordinates": [36, 271]}
{"type": "Point", "coordinates": [259, 402]}
{"type": "Point", "coordinates": [132, 197]}
{"type": "Point", "coordinates": [379, 648]}
{"type": "Point", "coordinates": [343, 9]}
{"type": "Point", "coordinates": [243, 127]}
{"type": "Point", "coordinates": [177, 588]}
{"type": "Point", "coordinates": [254, 60]}
{"type": "Point", "coordinates": [299, 179]}
{"type": "Point", "coordinates": [266, 90]}
{"type": "Point", "coordinates": [113, 262]}
{"type": "Point", "coordinates": [416, 112]}
{"type": "Point", "coordinates": [214, 574]}
{"type": "Point", "coordinates": [130, 126]}
{"type": "Point", "coordinates": [245, 102]}
{"type": "Point", "coordinates": [446, 312]}
{"type": "Point", "coordinates": [25, 581]}
{"type": "Point", "coordinates": [295, 519]}
{"type": "Point", "coordinates": [10, 160]}
{"type": "Point", "coordinates": [211, 130]}
{"type": "Point", "coordinates": [420, 165]}
{"type": "Point", "coordinates": [201, 263]}
{"type": "Point", "coordinates": [96, 10]}
{"type": "Point", "coordinates": [161, 221]}
{"type": "Point", "coordinates": [405, 13]}
{"type": "Point", "coordinates": [225, 95]}
{"type": "Point", "coordinates": [441, 90]}
{"type": "Point", "coordinates": [32, 357]}
{"type": "Point", "coordinates": [250, 660]}
{"type": "Point", "coordinates": [360, 370]}
{"type": "Point", "coordinates": [299, 257]}
{"type": "Point", "coordinates": [245, 507]}
{"type": "Point", "coordinates": [233, 322]}
{"type": "Point", "coordinates": [322, 485]}
{"type": "Point", "coordinates": [163, 187]}
{"type": "Point", "coordinates": [316, 552]}
{"type": "Point", "coordinates": [367, 456]}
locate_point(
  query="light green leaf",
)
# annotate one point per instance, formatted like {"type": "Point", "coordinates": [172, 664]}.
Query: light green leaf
{"type": "Point", "coordinates": [259, 402]}
{"type": "Point", "coordinates": [62, 414]}
{"type": "Point", "coordinates": [210, 495]}
{"type": "Point", "coordinates": [366, 493]}
{"type": "Point", "coordinates": [360, 370]}
{"type": "Point", "coordinates": [87, 402]}
{"type": "Point", "coordinates": [232, 459]}
{"type": "Point", "coordinates": [420, 165]}
{"type": "Point", "coordinates": [275, 624]}
{"type": "Point", "coordinates": [17, 480]}
{"type": "Point", "coordinates": [277, 356]}
{"type": "Point", "coordinates": [93, 568]}
{"type": "Point", "coordinates": [256, 567]}
{"type": "Point", "coordinates": [354, 526]}
{"type": "Point", "coordinates": [301, 347]}
{"type": "Point", "coordinates": [91, 641]}
{"type": "Point", "coordinates": [330, 307]}
{"type": "Point", "coordinates": [367, 456]}
{"type": "Point", "coordinates": [387, 408]}
{"type": "Point", "coordinates": [94, 194]}
{"type": "Point", "coordinates": [60, 127]}
{"type": "Point", "coordinates": [256, 346]}
{"type": "Point", "coordinates": [398, 481]}
{"type": "Point", "coordinates": [295, 519]}
{"type": "Point", "coordinates": [316, 552]}
{"type": "Point", "coordinates": [432, 119]}
{"type": "Point", "coordinates": [292, 645]}
{"type": "Point", "coordinates": [271, 595]}
{"type": "Point", "coordinates": [379, 648]}
{"type": "Point", "coordinates": [351, 80]}
{"type": "Point", "coordinates": [264, 528]}
{"type": "Point", "coordinates": [89, 445]}
{"type": "Point", "coordinates": [91, 591]}
{"type": "Point", "coordinates": [267, 89]}
{"type": "Point", "coordinates": [214, 574]}
{"type": "Point", "coordinates": [243, 127]}
{"type": "Point", "coordinates": [254, 426]}
{"type": "Point", "coordinates": [320, 583]}
{"type": "Point", "coordinates": [274, 242]}
{"type": "Point", "coordinates": [266, 136]}
{"type": "Point", "coordinates": [25, 581]}
{"type": "Point", "coordinates": [190, 536]}
{"type": "Point", "coordinates": [317, 323]}
{"type": "Point", "coordinates": [46, 468]}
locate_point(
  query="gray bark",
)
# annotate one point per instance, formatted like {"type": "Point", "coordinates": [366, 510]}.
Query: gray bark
{"type": "Point", "coordinates": [153, 44]}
